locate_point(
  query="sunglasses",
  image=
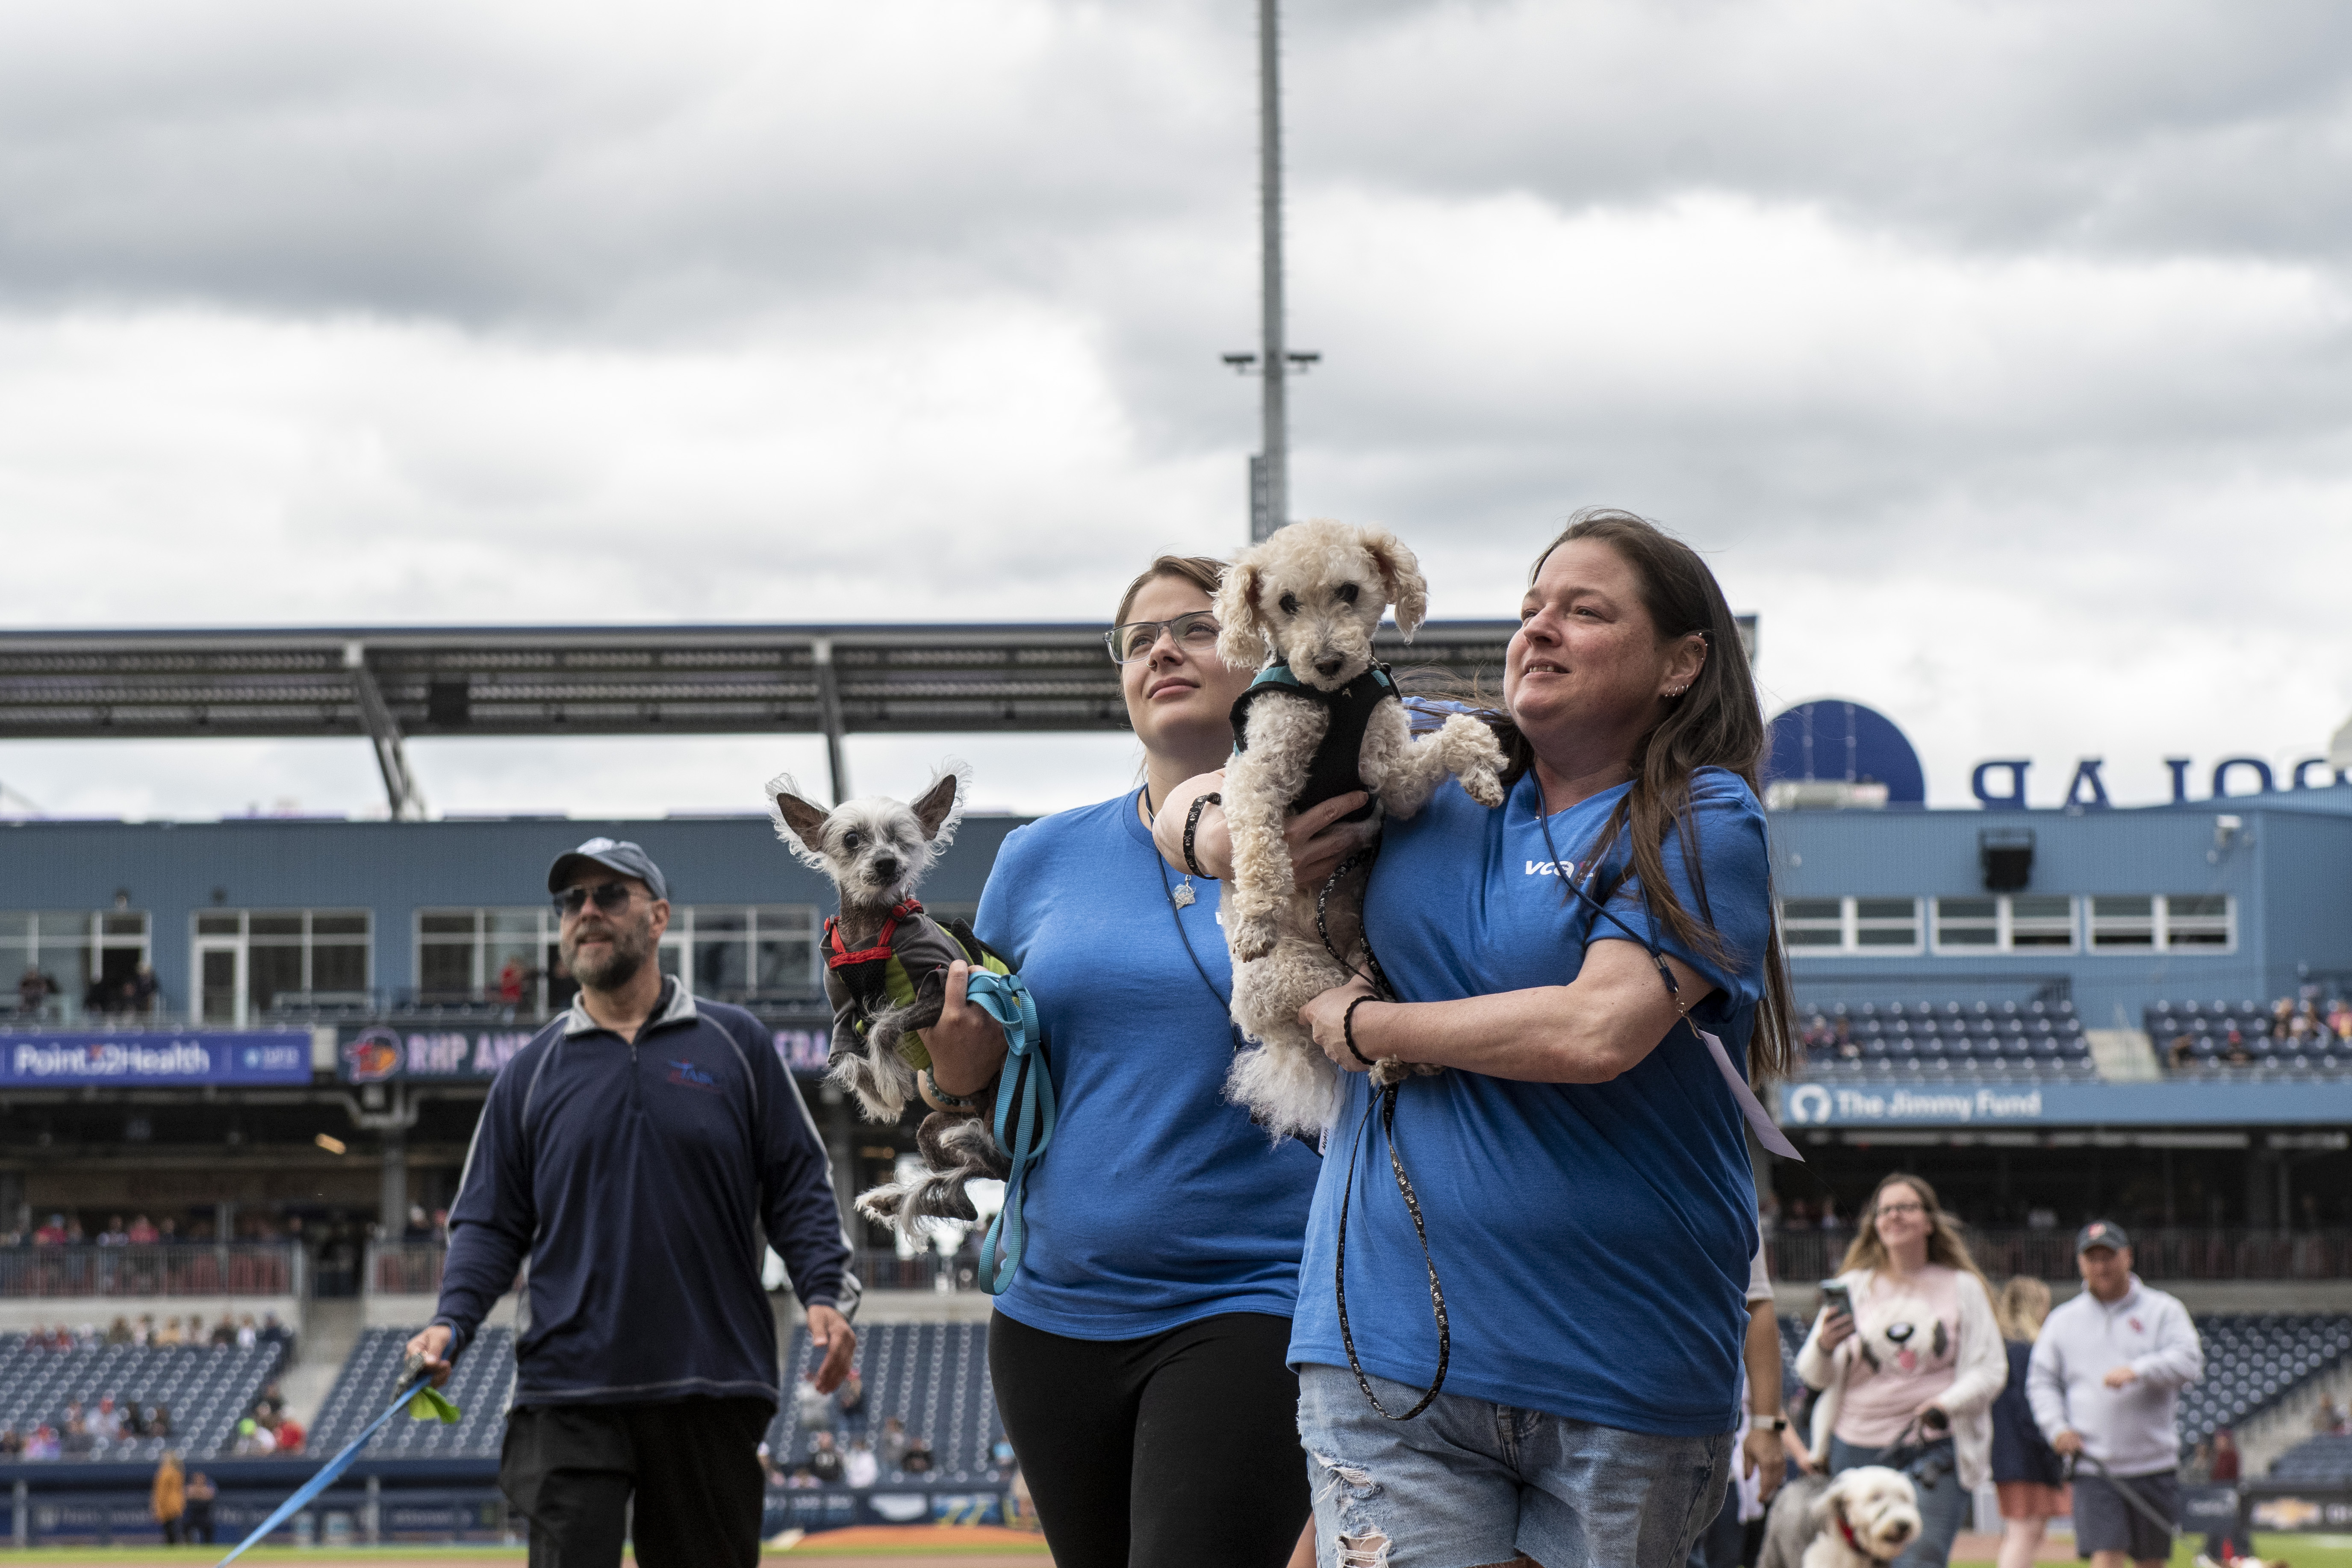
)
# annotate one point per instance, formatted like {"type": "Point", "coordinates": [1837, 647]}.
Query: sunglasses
{"type": "Point", "coordinates": [608, 896]}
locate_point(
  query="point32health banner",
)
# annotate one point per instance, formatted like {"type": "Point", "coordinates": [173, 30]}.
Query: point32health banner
{"type": "Point", "coordinates": [140, 1059]}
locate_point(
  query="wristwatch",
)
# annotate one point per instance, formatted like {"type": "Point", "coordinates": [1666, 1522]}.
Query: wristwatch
{"type": "Point", "coordinates": [1767, 1422]}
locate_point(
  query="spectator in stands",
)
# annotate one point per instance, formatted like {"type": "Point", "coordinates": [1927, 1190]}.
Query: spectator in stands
{"type": "Point", "coordinates": [168, 1500]}
{"type": "Point", "coordinates": [52, 1234]}
{"type": "Point", "coordinates": [134, 1419]}
{"type": "Point", "coordinates": [119, 1332]}
{"type": "Point", "coordinates": [624, 1153]}
{"type": "Point", "coordinates": [248, 1334]}
{"type": "Point", "coordinates": [2028, 1472]}
{"type": "Point", "coordinates": [1830, 1220]}
{"type": "Point", "coordinates": [859, 1465]}
{"type": "Point", "coordinates": [1799, 1217]}
{"type": "Point", "coordinates": [159, 1421]}
{"type": "Point", "coordinates": [114, 1234]}
{"type": "Point", "coordinates": [2181, 1053]}
{"type": "Point", "coordinates": [2325, 1419]}
{"type": "Point", "coordinates": [2237, 1056]}
{"type": "Point", "coordinates": [12, 1443]}
{"type": "Point", "coordinates": [824, 1459]}
{"type": "Point", "coordinates": [201, 1492]}
{"type": "Point", "coordinates": [803, 1478]}
{"type": "Point", "coordinates": [140, 995]}
{"type": "Point", "coordinates": [105, 1421]}
{"type": "Point", "coordinates": [75, 1442]}
{"type": "Point", "coordinates": [2226, 1461]}
{"type": "Point", "coordinates": [918, 1461]}
{"type": "Point", "coordinates": [274, 1332]}
{"type": "Point", "coordinates": [169, 1336]}
{"type": "Point", "coordinates": [291, 1435]}
{"type": "Point", "coordinates": [893, 1448]}
{"type": "Point", "coordinates": [1139, 1355]}
{"type": "Point", "coordinates": [43, 1444]}
{"type": "Point", "coordinates": [269, 1401]}
{"type": "Point", "coordinates": [2339, 1019]}
{"type": "Point", "coordinates": [144, 1334]}
{"type": "Point", "coordinates": [225, 1332]}
{"type": "Point", "coordinates": [254, 1440]}
{"type": "Point", "coordinates": [32, 992]}
{"type": "Point", "coordinates": [2106, 1385]}
{"type": "Point", "coordinates": [1907, 1265]}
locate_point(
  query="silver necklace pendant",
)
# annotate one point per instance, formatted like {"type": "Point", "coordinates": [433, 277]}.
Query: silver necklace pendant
{"type": "Point", "coordinates": [1183, 895]}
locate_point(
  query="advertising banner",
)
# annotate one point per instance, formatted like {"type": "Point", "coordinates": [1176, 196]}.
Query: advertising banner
{"type": "Point", "coordinates": [154, 1059]}
{"type": "Point", "coordinates": [382, 1053]}
{"type": "Point", "coordinates": [1962, 1103]}
{"type": "Point", "coordinates": [2284, 1509]}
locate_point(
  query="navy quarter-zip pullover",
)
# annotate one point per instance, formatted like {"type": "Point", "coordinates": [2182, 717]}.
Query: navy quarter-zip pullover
{"type": "Point", "coordinates": [639, 1179]}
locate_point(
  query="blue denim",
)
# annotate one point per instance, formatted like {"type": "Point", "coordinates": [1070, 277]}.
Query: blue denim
{"type": "Point", "coordinates": [1943, 1508]}
{"type": "Point", "coordinates": [1469, 1482]}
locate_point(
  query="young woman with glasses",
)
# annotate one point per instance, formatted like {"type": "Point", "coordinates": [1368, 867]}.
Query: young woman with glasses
{"type": "Point", "coordinates": [1138, 1356]}
{"type": "Point", "coordinates": [1923, 1392]}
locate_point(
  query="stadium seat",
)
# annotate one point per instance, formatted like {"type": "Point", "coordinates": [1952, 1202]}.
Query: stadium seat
{"type": "Point", "coordinates": [207, 1389]}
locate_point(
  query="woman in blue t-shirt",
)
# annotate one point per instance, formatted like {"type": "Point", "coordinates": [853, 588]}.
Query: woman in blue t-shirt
{"type": "Point", "coordinates": [1581, 1167]}
{"type": "Point", "coordinates": [1139, 1355]}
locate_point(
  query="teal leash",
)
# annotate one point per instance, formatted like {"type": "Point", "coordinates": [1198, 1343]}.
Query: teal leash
{"type": "Point", "coordinates": [1023, 1121]}
{"type": "Point", "coordinates": [331, 1472]}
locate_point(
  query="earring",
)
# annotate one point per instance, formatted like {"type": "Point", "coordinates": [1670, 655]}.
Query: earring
{"type": "Point", "coordinates": [1676, 691]}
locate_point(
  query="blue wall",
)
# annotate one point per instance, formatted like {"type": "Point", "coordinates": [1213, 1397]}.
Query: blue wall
{"type": "Point", "coordinates": [172, 869]}
{"type": "Point", "coordinates": [2289, 869]}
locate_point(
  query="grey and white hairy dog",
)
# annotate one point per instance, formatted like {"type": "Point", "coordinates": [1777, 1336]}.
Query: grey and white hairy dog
{"type": "Point", "coordinates": [1310, 596]}
{"type": "Point", "coordinates": [875, 850]}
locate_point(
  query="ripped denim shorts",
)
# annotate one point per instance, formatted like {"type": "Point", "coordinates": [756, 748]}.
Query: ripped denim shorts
{"type": "Point", "coordinates": [1468, 1482]}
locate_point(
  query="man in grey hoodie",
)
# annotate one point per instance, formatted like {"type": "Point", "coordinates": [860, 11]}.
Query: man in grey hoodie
{"type": "Point", "coordinates": [2105, 1384]}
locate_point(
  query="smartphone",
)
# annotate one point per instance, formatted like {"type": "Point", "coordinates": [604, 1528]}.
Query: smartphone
{"type": "Point", "coordinates": [1835, 1298]}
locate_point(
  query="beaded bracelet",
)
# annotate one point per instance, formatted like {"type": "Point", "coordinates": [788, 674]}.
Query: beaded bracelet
{"type": "Point", "coordinates": [952, 1101]}
{"type": "Point", "coordinates": [1192, 826]}
{"type": "Point", "coordinates": [1347, 1028]}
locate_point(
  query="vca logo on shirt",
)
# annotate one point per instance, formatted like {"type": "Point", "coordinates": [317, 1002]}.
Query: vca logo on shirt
{"type": "Point", "coordinates": [1552, 868]}
{"type": "Point", "coordinates": [685, 1075]}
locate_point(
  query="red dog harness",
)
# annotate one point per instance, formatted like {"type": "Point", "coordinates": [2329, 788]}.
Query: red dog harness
{"type": "Point", "coordinates": [840, 957]}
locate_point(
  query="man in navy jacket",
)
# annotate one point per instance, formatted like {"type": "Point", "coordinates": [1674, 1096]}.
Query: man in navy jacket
{"type": "Point", "coordinates": [643, 1152]}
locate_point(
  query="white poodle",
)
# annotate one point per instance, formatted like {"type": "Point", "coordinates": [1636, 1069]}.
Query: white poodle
{"type": "Point", "coordinates": [1322, 719]}
{"type": "Point", "coordinates": [1867, 1515]}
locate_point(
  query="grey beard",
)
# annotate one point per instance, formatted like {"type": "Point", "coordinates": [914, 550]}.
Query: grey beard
{"type": "Point", "coordinates": [629, 953]}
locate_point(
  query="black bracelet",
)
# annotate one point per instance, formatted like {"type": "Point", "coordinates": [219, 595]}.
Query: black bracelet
{"type": "Point", "coordinates": [1192, 826]}
{"type": "Point", "coordinates": [1347, 1028]}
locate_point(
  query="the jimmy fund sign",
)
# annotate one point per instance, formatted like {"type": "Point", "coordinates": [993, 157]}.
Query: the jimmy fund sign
{"type": "Point", "coordinates": [1857, 1105]}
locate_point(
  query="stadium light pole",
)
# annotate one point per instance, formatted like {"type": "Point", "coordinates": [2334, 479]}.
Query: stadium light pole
{"type": "Point", "coordinates": [1269, 471]}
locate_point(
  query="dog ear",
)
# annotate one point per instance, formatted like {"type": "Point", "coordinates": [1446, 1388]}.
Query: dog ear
{"type": "Point", "coordinates": [1241, 641]}
{"type": "Point", "coordinates": [1400, 578]}
{"type": "Point", "coordinates": [799, 824]}
{"type": "Point", "coordinates": [941, 806]}
{"type": "Point", "coordinates": [1832, 1502]}
{"type": "Point", "coordinates": [1942, 1340]}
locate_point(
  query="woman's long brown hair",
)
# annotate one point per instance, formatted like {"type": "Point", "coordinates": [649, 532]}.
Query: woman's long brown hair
{"type": "Point", "coordinates": [1943, 1243]}
{"type": "Point", "coordinates": [1718, 723]}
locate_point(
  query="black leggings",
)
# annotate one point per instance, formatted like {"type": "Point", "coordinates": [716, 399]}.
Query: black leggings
{"type": "Point", "coordinates": [1171, 1451]}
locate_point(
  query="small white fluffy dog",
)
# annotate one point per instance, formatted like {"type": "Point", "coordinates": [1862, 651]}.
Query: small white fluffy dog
{"type": "Point", "coordinates": [1867, 1516]}
{"type": "Point", "coordinates": [1310, 598]}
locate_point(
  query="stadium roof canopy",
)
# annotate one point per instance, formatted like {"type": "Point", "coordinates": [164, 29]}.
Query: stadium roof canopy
{"type": "Point", "coordinates": [386, 683]}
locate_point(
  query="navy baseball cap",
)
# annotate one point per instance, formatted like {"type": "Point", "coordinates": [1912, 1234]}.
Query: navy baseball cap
{"type": "Point", "coordinates": [2102, 1233]}
{"type": "Point", "coordinates": [614, 855]}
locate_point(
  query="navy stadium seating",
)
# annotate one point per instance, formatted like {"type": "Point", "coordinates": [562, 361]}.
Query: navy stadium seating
{"type": "Point", "coordinates": [933, 1377]}
{"type": "Point", "coordinates": [2209, 1024]}
{"type": "Point", "coordinates": [206, 1388]}
{"type": "Point", "coordinates": [1906, 1040]}
{"type": "Point", "coordinates": [482, 1386]}
{"type": "Point", "coordinates": [2326, 1461]}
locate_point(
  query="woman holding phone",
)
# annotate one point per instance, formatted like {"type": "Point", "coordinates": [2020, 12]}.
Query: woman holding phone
{"type": "Point", "coordinates": [1908, 1340]}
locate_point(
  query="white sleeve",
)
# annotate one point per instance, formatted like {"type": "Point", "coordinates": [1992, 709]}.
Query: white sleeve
{"type": "Point", "coordinates": [1759, 1279]}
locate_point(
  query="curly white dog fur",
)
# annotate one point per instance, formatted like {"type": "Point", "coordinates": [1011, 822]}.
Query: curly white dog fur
{"type": "Point", "coordinates": [1867, 1516]}
{"type": "Point", "coordinates": [1310, 597]}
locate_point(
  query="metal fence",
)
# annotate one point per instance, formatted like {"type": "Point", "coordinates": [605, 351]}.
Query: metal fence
{"type": "Point", "coordinates": [242, 1268]}
{"type": "Point", "coordinates": [2158, 1254]}
{"type": "Point", "coordinates": [403, 1268]}
{"type": "Point", "coordinates": [413, 1269]}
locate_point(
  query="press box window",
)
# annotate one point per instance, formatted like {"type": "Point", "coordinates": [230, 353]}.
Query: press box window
{"type": "Point", "coordinates": [2033, 921]}
{"type": "Point", "coordinates": [2122, 924]}
{"type": "Point", "coordinates": [1850, 925]}
{"type": "Point", "coordinates": [2197, 920]}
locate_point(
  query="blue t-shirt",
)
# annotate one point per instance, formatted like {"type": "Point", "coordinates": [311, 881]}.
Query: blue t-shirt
{"type": "Point", "coordinates": [1158, 1202]}
{"type": "Point", "coordinates": [1593, 1240]}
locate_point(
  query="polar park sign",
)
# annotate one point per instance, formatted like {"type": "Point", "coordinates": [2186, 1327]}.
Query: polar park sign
{"type": "Point", "coordinates": [1816, 1104]}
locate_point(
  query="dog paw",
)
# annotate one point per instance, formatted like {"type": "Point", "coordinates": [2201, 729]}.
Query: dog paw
{"type": "Point", "coordinates": [1481, 785]}
{"type": "Point", "coordinates": [1250, 939]}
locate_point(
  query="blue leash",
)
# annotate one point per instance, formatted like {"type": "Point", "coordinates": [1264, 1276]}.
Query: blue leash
{"type": "Point", "coordinates": [1024, 1114]}
{"type": "Point", "coordinates": [328, 1474]}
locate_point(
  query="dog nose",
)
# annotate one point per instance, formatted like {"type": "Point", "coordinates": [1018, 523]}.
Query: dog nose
{"type": "Point", "coordinates": [885, 867]}
{"type": "Point", "coordinates": [1328, 666]}
{"type": "Point", "coordinates": [1898, 1530]}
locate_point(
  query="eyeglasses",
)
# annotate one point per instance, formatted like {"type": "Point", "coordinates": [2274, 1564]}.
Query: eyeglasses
{"type": "Point", "coordinates": [608, 896]}
{"type": "Point", "coordinates": [1196, 632]}
{"type": "Point", "coordinates": [1902, 1209]}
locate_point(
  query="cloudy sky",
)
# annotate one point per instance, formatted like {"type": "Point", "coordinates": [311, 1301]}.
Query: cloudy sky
{"type": "Point", "coordinates": [1998, 354]}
